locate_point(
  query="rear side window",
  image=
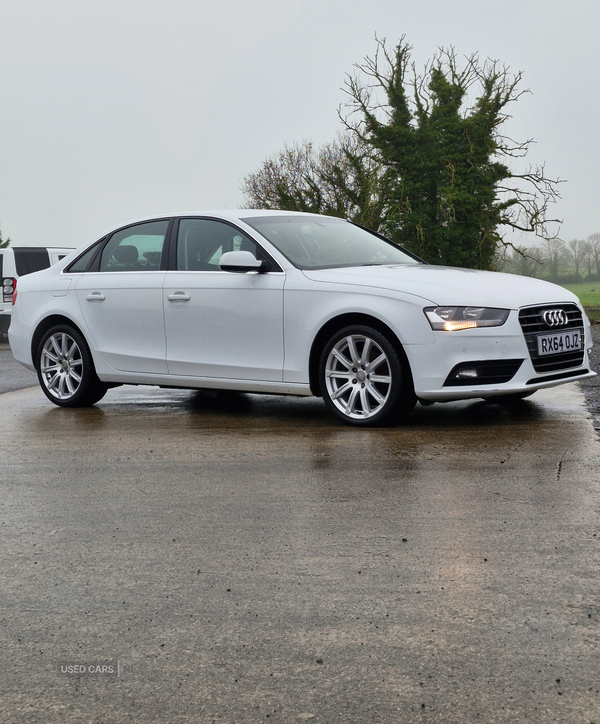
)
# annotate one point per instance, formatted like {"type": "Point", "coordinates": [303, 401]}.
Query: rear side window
{"type": "Point", "coordinates": [29, 260]}
{"type": "Point", "coordinates": [82, 264]}
{"type": "Point", "coordinates": [136, 248]}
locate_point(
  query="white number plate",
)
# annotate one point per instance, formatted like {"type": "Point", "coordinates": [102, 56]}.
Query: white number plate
{"type": "Point", "coordinates": [557, 343]}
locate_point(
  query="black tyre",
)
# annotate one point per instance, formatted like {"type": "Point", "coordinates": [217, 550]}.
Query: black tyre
{"type": "Point", "coordinates": [363, 380]}
{"type": "Point", "coordinates": [66, 370]}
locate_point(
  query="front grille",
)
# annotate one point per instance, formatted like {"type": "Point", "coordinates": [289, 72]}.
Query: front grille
{"type": "Point", "coordinates": [533, 324]}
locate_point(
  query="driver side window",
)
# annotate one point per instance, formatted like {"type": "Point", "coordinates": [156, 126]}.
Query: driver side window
{"type": "Point", "coordinates": [202, 242]}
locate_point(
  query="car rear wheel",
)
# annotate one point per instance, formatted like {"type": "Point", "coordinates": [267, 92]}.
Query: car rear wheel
{"type": "Point", "coordinates": [363, 380]}
{"type": "Point", "coordinates": [66, 369]}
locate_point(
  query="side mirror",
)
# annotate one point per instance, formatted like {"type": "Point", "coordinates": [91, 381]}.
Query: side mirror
{"type": "Point", "coordinates": [241, 262]}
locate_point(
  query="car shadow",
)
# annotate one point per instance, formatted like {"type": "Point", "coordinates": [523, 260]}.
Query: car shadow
{"type": "Point", "coordinates": [282, 409]}
{"type": "Point", "coordinates": [223, 408]}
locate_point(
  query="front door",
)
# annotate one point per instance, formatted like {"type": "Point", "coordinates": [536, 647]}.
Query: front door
{"type": "Point", "coordinates": [222, 324]}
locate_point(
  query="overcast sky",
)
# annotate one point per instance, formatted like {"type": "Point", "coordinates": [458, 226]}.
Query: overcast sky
{"type": "Point", "coordinates": [111, 110]}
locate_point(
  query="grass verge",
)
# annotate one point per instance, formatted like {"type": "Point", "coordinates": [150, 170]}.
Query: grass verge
{"type": "Point", "coordinates": [588, 293]}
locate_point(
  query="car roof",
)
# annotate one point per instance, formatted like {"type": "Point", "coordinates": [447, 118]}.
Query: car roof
{"type": "Point", "coordinates": [235, 214]}
{"type": "Point", "coordinates": [225, 214]}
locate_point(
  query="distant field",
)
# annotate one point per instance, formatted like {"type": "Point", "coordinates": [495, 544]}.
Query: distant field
{"type": "Point", "coordinates": [588, 293]}
{"type": "Point", "coordinates": [589, 296]}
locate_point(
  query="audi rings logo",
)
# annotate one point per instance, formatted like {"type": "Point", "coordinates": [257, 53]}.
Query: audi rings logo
{"type": "Point", "coordinates": [555, 317]}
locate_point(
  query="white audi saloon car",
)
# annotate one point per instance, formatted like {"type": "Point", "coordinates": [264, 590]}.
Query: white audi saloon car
{"type": "Point", "coordinates": [289, 303]}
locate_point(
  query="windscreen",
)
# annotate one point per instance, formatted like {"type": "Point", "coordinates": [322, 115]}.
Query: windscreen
{"type": "Point", "coordinates": [320, 242]}
{"type": "Point", "coordinates": [29, 260]}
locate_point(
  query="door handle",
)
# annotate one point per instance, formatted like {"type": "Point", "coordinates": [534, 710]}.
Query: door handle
{"type": "Point", "coordinates": [95, 297]}
{"type": "Point", "coordinates": [178, 297]}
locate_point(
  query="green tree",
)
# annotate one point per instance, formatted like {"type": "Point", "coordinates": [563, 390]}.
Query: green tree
{"type": "Point", "coordinates": [423, 160]}
{"type": "Point", "coordinates": [3, 244]}
{"type": "Point", "coordinates": [448, 187]}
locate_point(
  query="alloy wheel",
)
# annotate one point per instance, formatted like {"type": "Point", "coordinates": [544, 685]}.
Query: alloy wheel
{"type": "Point", "coordinates": [61, 366]}
{"type": "Point", "coordinates": [358, 376]}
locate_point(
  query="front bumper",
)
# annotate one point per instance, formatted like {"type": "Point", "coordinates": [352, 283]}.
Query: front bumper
{"type": "Point", "coordinates": [431, 365]}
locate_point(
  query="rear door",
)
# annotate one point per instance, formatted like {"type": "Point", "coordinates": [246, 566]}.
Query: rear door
{"type": "Point", "coordinates": [121, 299]}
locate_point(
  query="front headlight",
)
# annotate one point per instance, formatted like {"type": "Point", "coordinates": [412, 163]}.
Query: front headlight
{"type": "Point", "coordinates": [454, 319]}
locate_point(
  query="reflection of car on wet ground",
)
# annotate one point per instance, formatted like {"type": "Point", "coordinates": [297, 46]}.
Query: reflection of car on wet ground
{"type": "Point", "coordinates": [286, 303]}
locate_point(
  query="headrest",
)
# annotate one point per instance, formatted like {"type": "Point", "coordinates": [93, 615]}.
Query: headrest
{"type": "Point", "coordinates": [126, 254]}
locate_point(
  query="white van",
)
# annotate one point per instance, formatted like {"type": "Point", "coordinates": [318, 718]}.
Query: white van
{"type": "Point", "coordinates": [15, 262]}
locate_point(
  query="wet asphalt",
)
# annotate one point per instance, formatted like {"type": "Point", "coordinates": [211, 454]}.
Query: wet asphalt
{"type": "Point", "coordinates": [13, 376]}
{"type": "Point", "coordinates": [246, 559]}
{"type": "Point", "coordinates": [591, 387]}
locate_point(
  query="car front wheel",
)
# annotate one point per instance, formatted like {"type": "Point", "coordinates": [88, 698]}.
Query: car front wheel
{"type": "Point", "coordinates": [66, 369]}
{"type": "Point", "coordinates": [362, 378]}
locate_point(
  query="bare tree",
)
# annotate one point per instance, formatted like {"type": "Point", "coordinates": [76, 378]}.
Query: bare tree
{"type": "Point", "coordinates": [526, 261]}
{"type": "Point", "coordinates": [554, 253]}
{"type": "Point", "coordinates": [588, 256]}
{"type": "Point", "coordinates": [577, 254]}
{"type": "Point", "coordinates": [340, 179]}
{"type": "Point", "coordinates": [594, 240]}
